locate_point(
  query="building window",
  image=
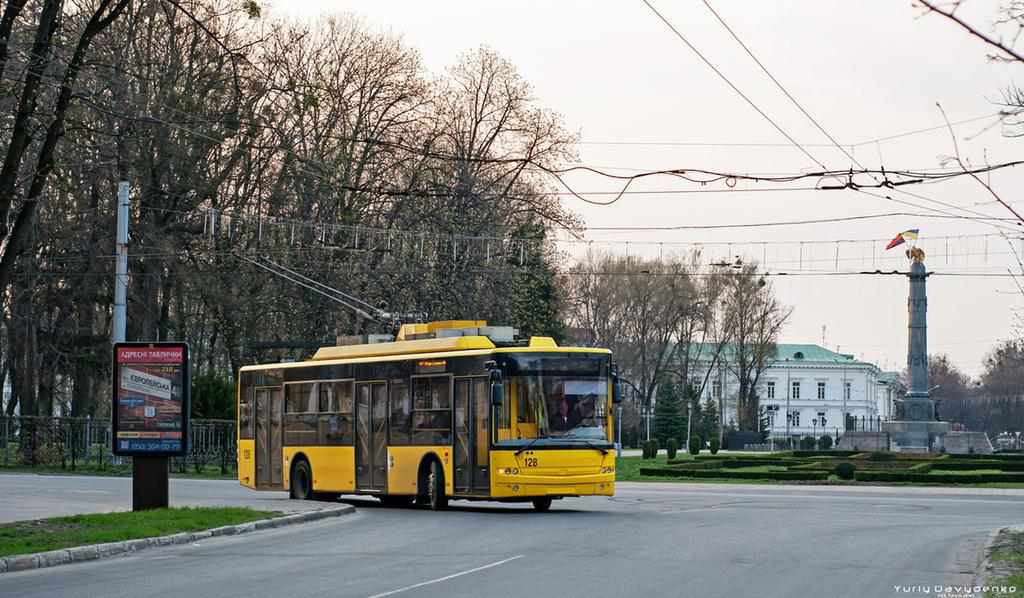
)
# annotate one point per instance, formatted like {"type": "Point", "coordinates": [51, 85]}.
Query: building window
{"type": "Point", "coordinates": [821, 390]}
{"type": "Point", "coordinates": [770, 412]}
{"type": "Point", "coordinates": [796, 390]}
{"type": "Point", "coordinates": [846, 391]}
{"type": "Point", "coordinates": [821, 421]}
{"type": "Point", "coordinates": [794, 418]}
{"type": "Point", "coordinates": [771, 390]}
{"type": "Point", "coordinates": [716, 390]}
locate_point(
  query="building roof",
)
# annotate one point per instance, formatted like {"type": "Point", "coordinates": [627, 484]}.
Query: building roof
{"type": "Point", "coordinates": [786, 352]}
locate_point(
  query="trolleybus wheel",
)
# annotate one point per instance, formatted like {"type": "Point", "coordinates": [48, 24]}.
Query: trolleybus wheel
{"type": "Point", "coordinates": [435, 487]}
{"type": "Point", "coordinates": [542, 504]}
{"type": "Point", "coordinates": [302, 481]}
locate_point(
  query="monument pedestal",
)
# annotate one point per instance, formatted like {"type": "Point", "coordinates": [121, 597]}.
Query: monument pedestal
{"type": "Point", "coordinates": [916, 436]}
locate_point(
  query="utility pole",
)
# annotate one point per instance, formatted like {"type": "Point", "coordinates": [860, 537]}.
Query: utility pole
{"type": "Point", "coordinates": [121, 275]}
{"type": "Point", "coordinates": [845, 389]}
{"type": "Point", "coordinates": [789, 414]}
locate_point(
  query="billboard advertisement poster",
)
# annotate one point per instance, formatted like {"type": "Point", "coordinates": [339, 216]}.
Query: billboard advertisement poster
{"type": "Point", "coordinates": [151, 399]}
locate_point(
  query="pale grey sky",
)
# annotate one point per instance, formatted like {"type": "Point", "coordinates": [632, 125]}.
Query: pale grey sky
{"type": "Point", "coordinates": [864, 70]}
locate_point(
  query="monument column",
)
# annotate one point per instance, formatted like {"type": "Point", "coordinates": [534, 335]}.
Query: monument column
{"type": "Point", "coordinates": [917, 431]}
{"type": "Point", "coordinates": [918, 406]}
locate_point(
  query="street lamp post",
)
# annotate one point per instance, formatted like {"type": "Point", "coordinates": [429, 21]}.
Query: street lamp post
{"type": "Point", "coordinates": [636, 392]}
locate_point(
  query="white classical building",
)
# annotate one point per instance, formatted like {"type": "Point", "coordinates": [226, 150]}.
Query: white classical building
{"type": "Point", "coordinates": [806, 390]}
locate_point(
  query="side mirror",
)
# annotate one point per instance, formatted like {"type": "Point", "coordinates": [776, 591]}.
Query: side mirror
{"type": "Point", "coordinates": [616, 390]}
{"type": "Point", "coordinates": [497, 386]}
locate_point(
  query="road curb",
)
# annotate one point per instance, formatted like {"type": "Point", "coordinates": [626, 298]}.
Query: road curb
{"type": "Point", "coordinates": [92, 552]}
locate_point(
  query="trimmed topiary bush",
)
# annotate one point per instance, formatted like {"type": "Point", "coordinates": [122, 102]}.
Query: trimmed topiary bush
{"type": "Point", "coordinates": [825, 443]}
{"type": "Point", "coordinates": [807, 443]}
{"type": "Point", "coordinates": [671, 447]}
{"type": "Point", "coordinates": [695, 442]}
{"type": "Point", "coordinates": [715, 445]}
{"type": "Point", "coordinates": [846, 471]}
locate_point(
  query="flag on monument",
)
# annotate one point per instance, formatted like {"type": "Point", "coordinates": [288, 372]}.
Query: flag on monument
{"type": "Point", "coordinates": [907, 235]}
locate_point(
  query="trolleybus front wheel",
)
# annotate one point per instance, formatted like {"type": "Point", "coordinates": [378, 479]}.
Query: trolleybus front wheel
{"type": "Point", "coordinates": [542, 504]}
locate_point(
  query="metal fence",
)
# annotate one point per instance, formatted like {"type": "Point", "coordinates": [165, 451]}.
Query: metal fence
{"type": "Point", "coordinates": [73, 443]}
{"type": "Point", "coordinates": [865, 424]}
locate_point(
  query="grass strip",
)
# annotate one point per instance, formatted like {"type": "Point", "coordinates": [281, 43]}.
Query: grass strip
{"type": "Point", "coordinates": [26, 537]}
{"type": "Point", "coordinates": [1008, 557]}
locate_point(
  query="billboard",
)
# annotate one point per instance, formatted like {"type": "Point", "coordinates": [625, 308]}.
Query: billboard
{"type": "Point", "coordinates": [151, 399]}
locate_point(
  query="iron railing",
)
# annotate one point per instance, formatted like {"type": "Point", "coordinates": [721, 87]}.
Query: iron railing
{"type": "Point", "coordinates": [73, 443]}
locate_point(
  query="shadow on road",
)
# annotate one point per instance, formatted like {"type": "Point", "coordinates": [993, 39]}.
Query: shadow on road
{"type": "Point", "coordinates": [491, 508]}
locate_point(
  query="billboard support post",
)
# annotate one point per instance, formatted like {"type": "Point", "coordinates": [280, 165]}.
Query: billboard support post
{"type": "Point", "coordinates": [150, 483]}
{"type": "Point", "coordinates": [151, 406]}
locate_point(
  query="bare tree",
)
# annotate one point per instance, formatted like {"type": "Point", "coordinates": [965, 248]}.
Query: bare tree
{"type": "Point", "coordinates": [753, 318]}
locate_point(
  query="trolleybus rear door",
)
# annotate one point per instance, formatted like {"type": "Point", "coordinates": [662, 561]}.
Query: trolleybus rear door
{"type": "Point", "coordinates": [371, 436]}
{"type": "Point", "coordinates": [268, 437]}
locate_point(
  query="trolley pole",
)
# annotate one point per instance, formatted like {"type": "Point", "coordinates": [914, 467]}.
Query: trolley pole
{"type": "Point", "coordinates": [121, 275]}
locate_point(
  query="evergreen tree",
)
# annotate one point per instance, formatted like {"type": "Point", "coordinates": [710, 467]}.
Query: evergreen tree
{"type": "Point", "coordinates": [535, 297]}
{"type": "Point", "coordinates": [669, 421]}
{"type": "Point", "coordinates": [709, 419]}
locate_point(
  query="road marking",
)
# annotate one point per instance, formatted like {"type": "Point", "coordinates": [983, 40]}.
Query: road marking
{"type": "Point", "coordinates": [447, 577]}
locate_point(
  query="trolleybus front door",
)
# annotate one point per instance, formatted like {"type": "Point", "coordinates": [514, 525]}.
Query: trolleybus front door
{"type": "Point", "coordinates": [268, 437]}
{"type": "Point", "coordinates": [371, 436]}
{"type": "Point", "coordinates": [472, 430]}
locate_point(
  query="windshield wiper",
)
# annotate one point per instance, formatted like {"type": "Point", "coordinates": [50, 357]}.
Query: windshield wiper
{"type": "Point", "coordinates": [528, 445]}
{"type": "Point", "coordinates": [589, 444]}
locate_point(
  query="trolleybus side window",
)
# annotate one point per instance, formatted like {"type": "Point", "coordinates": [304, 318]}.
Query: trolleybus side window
{"type": "Point", "coordinates": [335, 421]}
{"type": "Point", "coordinates": [245, 408]}
{"type": "Point", "coordinates": [300, 413]}
{"type": "Point", "coordinates": [400, 415]}
{"type": "Point", "coordinates": [432, 410]}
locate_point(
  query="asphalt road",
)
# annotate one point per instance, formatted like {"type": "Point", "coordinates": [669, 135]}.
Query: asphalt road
{"type": "Point", "coordinates": [649, 540]}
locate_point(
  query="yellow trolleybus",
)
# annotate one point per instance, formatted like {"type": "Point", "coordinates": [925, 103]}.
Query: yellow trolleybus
{"type": "Point", "coordinates": [449, 410]}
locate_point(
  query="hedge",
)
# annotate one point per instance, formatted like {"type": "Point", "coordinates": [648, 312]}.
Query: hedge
{"type": "Point", "coordinates": [968, 464]}
{"type": "Point", "coordinates": [825, 453]}
{"type": "Point", "coordinates": [996, 456]}
{"type": "Point", "coordinates": [701, 464]}
{"type": "Point", "coordinates": [965, 478]}
{"type": "Point", "coordinates": [736, 475]}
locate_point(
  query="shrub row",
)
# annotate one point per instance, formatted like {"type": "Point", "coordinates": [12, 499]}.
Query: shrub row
{"type": "Point", "coordinates": [695, 464]}
{"type": "Point", "coordinates": [965, 478]}
{"type": "Point", "coordinates": [736, 475]}
{"type": "Point", "coordinates": [996, 456]}
{"type": "Point", "coordinates": [745, 462]}
{"type": "Point", "coordinates": [824, 453]}
{"type": "Point", "coordinates": [968, 464]}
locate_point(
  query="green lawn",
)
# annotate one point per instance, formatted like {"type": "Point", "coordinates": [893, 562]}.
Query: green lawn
{"type": "Point", "coordinates": [757, 468]}
{"type": "Point", "coordinates": [942, 472]}
{"type": "Point", "coordinates": [25, 537]}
